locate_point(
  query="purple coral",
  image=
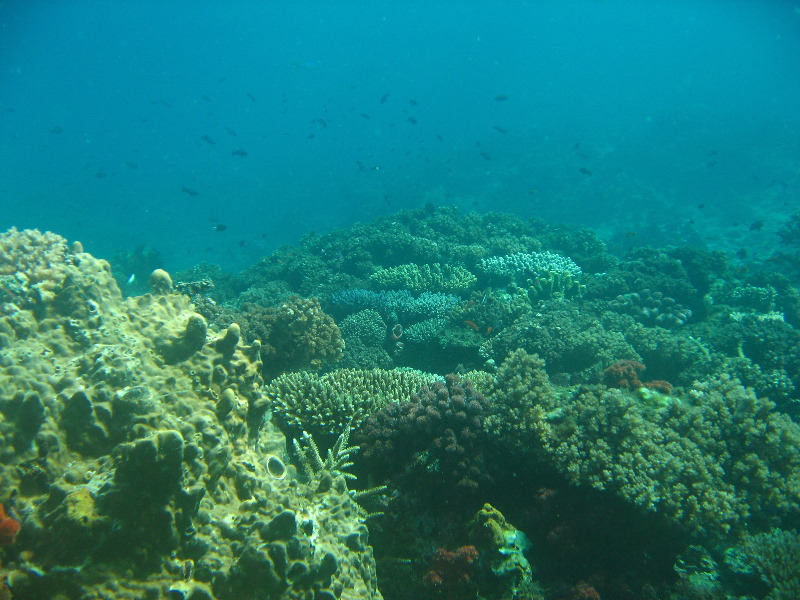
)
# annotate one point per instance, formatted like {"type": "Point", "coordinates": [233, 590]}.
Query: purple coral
{"type": "Point", "coordinates": [434, 439]}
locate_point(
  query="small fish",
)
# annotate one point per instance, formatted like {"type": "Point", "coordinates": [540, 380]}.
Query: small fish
{"type": "Point", "coordinates": [701, 206]}
{"type": "Point", "coordinates": [131, 279]}
{"type": "Point", "coordinates": [412, 120]}
{"type": "Point", "coordinates": [629, 234]}
{"type": "Point", "coordinates": [711, 163]}
{"type": "Point", "coordinates": [485, 155]}
{"type": "Point", "coordinates": [162, 102]}
{"type": "Point", "coordinates": [364, 116]}
{"type": "Point", "coordinates": [741, 253]}
{"type": "Point", "coordinates": [100, 175]}
{"type": "Point", "coordinates": [360, 165]}
{"type": "Point", "coordinates": [230, 131]}
{"type": "Point", "coordinates": [585, 171]}
{"type": "Point", "coordinates": [131, 165]}
{"type": "Point", "coordinates": [207, 139]}
{"type": "Point", "coordinates": [207, 99]}
{"type": "Point", "coordinates": [56, 130]}
{"type": "Point", "coordinates": [220, 227]}
{"type": "Point", "coordinates": [252, 98]}
{"type": "Point", "coordinates": [384, 98]}
{"type": "Point", "coordinates": [190, 191]}
{"type": "Point", "coordinates": [439, 137]}
{"type": "Point", "coordinates": [499, 129]}
{"type": "Point", "coordinates": [756, 226]}
{"type": "Point", "coordinates": [412, 102]}
{"type": "Point", "coordinates": [239, 152]}
{"type": "Point", "coordinates": [501, 97]}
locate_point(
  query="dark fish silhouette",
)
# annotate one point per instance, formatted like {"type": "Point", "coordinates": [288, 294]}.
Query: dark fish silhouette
{"type": "Point", "coordinates": [162, 102]}
{"type": "Point", "coordinates": [56, 130]}
{"type": "Point", "coordinates": [384, 98]}
{"type": "Point", "coordinates": [756, 226]}
{"type": "Point", "coordinates": [501, 97]}
{"type": "Point", "coordinates": [412, 102]}
{"type": "Point", "coordinates": [499, 129]}
{"type": "Point", "coordinates": [230, 131]}
{"type": "Point", "coordinates": [364, 116]}
{"type": "Point", "coordinates": [220, 227]}
{"type": "Point", "coordinates": [412, 120]}
{"type": "Point", "coordinates": [190, 191]}
{"type": "Point", "coordinates": [585, 171]}
{"type": "Point", "coordinates": [320, 122]}
{"type": "Point", "coordinates": [239, 152]}
{"type": "Point", "coordinates": [131, 165]}
{"type": "Point", "coordinates": [252, 98]}
{"type": "Point", "coordinates": [485, 155]}
{"type": "Point", "coordinates": [207, 139]}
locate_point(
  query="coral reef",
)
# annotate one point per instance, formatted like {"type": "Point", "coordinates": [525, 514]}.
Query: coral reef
{"type": "Point", "coordinates": [767, 564]}
{"type": "Point", "coordinates": [653, 308]}
{"type": "Point", "coordinates": [134, 451]}
{"type": "Point", "coordinates": [713, 461]}
{"type": "Point", "coordinates": [294, 336]}
{"type": "Point", "coordinates": [528, 265]}
{"type": "Point", "coordinates": [431, 442]}
{"type": "Point", "coordinates": [506, 571]}
{"type": "Point", "coordinates": [325, 404]}
{"type": "Point", "coordinates": [434, 277]}
{"type": "Point", "coordinates": [451, 573]}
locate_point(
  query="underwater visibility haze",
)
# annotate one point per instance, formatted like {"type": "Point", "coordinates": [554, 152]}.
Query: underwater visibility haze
{"type": "Point", "coordinates": [362, 300]}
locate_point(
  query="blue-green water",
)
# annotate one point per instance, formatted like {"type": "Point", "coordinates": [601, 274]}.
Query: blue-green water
{"type": "Point", "coordinates": [673, 120]}
{"type": "Point", "coordinates": [538, 260]}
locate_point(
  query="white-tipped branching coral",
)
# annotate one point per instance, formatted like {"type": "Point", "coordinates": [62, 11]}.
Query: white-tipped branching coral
{"type": "Point", "coordinates": [336, 462]}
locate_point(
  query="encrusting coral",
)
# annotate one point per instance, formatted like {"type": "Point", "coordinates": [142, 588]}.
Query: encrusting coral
{"type": "Point", "coordinates": [134, 453]}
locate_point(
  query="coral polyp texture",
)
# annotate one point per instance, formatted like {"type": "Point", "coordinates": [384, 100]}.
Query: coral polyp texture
{"type": "Point", "coordinates": [713, 462]}
{"type": "Point", "coordinates": [324, 405]}
{"type": "Point", "coordinates": [134, 450]}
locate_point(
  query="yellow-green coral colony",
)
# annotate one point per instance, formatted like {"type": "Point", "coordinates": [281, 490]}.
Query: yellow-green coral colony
{"type": "Point", "coordinates": [132, 424]}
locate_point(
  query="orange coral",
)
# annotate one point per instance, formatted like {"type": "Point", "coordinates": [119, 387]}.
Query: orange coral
{"type": "Point", "coordinates": [9, 528]}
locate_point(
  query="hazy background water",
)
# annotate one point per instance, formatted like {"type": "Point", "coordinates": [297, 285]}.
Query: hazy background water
{"type": "Point", "coordinates": [217, 131]}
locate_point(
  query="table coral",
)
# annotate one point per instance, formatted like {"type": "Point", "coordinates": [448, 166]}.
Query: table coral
{"type": "Point", "coordinates": [324, 404]}
{"type": "Point", "coordinates": [435, 277]}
